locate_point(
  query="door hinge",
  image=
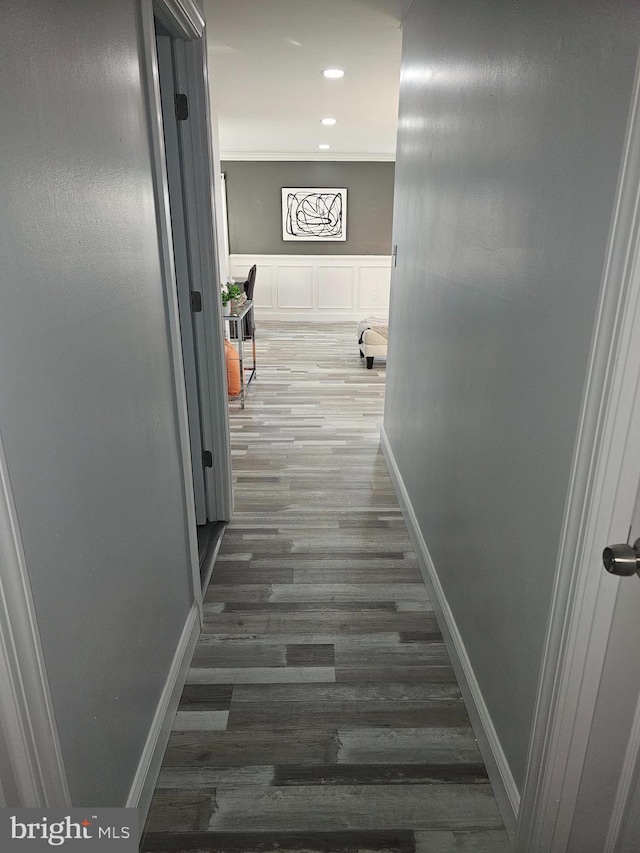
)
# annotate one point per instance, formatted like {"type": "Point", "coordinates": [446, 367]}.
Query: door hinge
{"type": "Point", "coordinates": [182, 107]}
{"type": "Point", "coordinates": [207, 459]}
{"type": "Point", "coordinates": [196, 301]}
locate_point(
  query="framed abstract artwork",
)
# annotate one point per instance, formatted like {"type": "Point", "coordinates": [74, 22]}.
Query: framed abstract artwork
{"type": "Point", "coordinates": [312, 214]}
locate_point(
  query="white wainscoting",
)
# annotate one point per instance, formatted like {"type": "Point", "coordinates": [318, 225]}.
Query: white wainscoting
{"type": "Point", "coordinates": [317, 287]}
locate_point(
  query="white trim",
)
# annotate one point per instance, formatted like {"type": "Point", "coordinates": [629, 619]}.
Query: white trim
{"type": "Point", "coordinates": [599, 508]}
{"type": "Point", "coordinates": [334, 259]}
{"type": "Point", "coordinates": [504, 786]}
{"type": "Point", "coordinates": [279, 297]}
{"type": "Point", "coordinates": [625, 785]}
{"type": "Point", "coordinates": [146, 776]}
{"type": "Point", "coordinates": [272, 156]}
{"type": "Point", "coordinates": [182, 17]}
{"type": "Point", "coordinates": [222, 221]}
{"type": "Point", "coordinates": [33, 770]}
{"type": "Point", "coordinates": [315, 315]}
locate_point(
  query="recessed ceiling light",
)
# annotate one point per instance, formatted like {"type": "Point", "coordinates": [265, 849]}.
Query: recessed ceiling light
{"type": "Point", "coordinates": [324, 147]}
{"type": "Point", "coordinates": [328, 121]}
{"type": "Point", "coordinates": [334, 73]}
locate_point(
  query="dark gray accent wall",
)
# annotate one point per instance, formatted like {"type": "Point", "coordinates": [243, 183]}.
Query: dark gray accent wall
{"type": "Point", "coordinates": [254, 205]}
{"type": "Point", "coordinates": [511, 129]}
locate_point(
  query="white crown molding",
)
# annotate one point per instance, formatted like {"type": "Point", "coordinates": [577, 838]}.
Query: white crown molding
{"type": "Point", "coordinates": [297, 156]}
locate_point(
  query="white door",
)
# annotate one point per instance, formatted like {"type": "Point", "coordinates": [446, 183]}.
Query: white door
{"type": "Point", "coordinates": [607, 816]}
{"type": "Point", "coordinates": [582, 790]}
{"type": "Point", "coordinates": [182, 268]}
{"type": "Point", "coordinates": [194, 194]}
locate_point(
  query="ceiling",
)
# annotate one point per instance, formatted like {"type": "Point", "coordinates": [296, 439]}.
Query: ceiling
{"type": "Point", "coordinates": [265, 64]}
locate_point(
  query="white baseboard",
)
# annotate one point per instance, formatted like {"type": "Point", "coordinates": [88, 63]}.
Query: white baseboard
{"type": "Point", "coordinates": [146, 776]}
{"type": "Point", "coordinates": [504, 786]}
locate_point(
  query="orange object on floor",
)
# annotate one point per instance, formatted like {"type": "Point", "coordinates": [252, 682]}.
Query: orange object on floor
{"type": "Point", "coordinates": [233, 369]}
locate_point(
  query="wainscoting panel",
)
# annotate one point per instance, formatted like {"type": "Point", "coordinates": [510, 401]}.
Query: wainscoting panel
{"type": "Point", "coordinates": [373, 287]}
{"type": "Point", "coordinates": [295, 286]}
{"type": "Point", "coordinates": [263, 296]}
{"type": "Point", "coordinates": [336, 287]}
{"type": "Point", "coordinates": [317, 287]}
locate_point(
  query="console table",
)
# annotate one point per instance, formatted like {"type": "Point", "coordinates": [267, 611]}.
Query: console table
{"type": "Point", "coordinates": [235, 325]}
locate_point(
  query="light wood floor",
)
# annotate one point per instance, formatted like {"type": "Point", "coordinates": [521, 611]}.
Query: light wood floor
{"type": "Point", "coordinates": [321, 712]}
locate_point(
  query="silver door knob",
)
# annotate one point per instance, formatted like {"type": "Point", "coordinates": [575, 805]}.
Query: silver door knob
{"type": "Point", "coordinates": [622, 559]}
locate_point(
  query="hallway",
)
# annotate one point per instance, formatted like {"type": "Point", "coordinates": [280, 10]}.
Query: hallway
{"type": "Point", "coordinates": [321, 712]}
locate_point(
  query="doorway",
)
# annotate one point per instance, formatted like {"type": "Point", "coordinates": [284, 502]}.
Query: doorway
{"type": "Point", "coordinates": [189, 205]}
{"type": "Point", "coordinates": [175, 109]}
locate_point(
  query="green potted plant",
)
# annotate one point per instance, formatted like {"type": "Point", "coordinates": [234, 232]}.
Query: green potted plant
{"type": "Point", "coordinates": [230, 291]}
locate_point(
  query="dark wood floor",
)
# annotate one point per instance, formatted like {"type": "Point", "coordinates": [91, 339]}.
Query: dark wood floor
{"type": "Point", "coordinates": [321, 712]}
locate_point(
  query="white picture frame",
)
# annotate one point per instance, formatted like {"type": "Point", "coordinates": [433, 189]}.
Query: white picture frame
{"type": "Point", "coordinates": [314, 214]}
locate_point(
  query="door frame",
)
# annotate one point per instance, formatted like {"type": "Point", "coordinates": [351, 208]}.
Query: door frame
{"type": "Point", "coordinates": [600, 504]}
{"type": "Point", "coordinates": [32, 771]}
{"type": "Point", "coordinates": [185, 23]}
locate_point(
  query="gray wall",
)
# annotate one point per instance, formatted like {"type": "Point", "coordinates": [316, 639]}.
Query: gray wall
{"type": "Point", "coordinates": [254, 206]}
{"type": "Point", "coordinates": [512, 121]}
{"type": "Point", "coordinates": [87, 411]}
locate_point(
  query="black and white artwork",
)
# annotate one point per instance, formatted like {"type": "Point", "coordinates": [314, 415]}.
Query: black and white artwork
{"type": "Point", "coordinates": [314, 214]}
